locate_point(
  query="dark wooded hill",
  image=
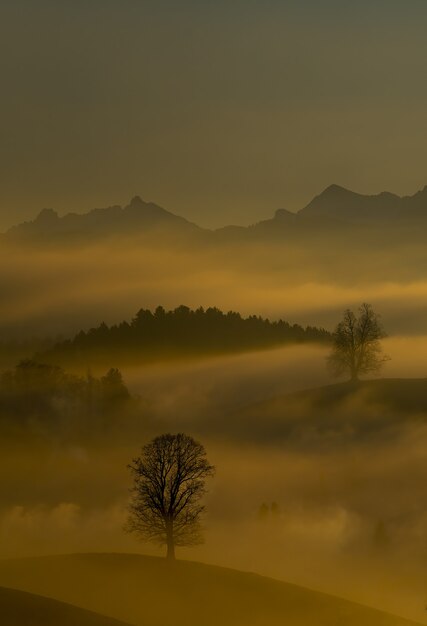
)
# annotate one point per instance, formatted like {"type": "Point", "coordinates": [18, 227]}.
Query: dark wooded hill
{"type": "Point", "coordinates": [178, 333]}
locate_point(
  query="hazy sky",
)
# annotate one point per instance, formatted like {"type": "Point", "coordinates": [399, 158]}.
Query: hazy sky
{"type": "Point", "coordinates": [221, 111]}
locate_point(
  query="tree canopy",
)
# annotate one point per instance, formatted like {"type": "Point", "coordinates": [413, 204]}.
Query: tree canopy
{"type": "Point", "coordinates": [169, 483]}
{"type": "Point", "coordinates": [49, 398]}
{"type": "Point", "coordinates": [357, 346]}
{"type": "Point", "coordinates": [179, 332]}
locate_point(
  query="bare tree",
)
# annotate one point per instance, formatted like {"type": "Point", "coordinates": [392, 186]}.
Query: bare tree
{"type": "Point", "coordinates": [356, 344]}
{"type": "Point", "coordinates": [169, 482]}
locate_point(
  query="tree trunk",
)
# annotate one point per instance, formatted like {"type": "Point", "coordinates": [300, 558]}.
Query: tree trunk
{"type": "Point", "coordinates": [170, 554]}
{"type": "Point", "coordinates": [354, 373]}
{"type": "Point", "coordinates": [170, 543]}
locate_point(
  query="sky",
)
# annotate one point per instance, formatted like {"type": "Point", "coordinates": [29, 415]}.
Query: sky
{"type": "Point", "coordinates": [219, 111]}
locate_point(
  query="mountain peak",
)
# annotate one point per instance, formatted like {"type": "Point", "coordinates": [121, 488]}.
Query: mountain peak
{"type": "Point", "coordinates": [336, 192]}
{"type": "Point", "coordinates": [136, 201]}
{"type": "Point", "coordinates": [137, 216]}
{"type": "Point", "coordinates": [47, 216]}
{"type": "Point", "coordinates": [283, 214]}
{"type": "Point", "coordinates": [338, 203]}
{"type": "Point", "coordinates": [332, 189]}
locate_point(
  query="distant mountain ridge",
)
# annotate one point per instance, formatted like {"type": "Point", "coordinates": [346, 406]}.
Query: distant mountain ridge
{"type": "Point", "coordinates": [334, 206]}
{"type": "Point", "coordinates": [111, 220]}
{"type": "Point", "coordinates": [340, 203]}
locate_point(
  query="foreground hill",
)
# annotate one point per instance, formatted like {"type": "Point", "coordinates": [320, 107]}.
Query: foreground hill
{"type": "Point", "coordinates": [148, 591]}
{"type": "Point", "coordinates": [18, 608]}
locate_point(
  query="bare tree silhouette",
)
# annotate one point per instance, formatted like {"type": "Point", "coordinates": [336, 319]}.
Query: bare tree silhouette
{"type": "Point", "coordinates": [169, 482]}
{"type": "Point", "coordinates": [356, 344]}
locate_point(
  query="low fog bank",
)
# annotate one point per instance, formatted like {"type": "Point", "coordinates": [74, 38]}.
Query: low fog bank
{"type": "Point", "coordinates": [300, 283]}
{"type": "Point", "coordinates": [195, 389]}
{"type": "Point", "coordinates": [348, 523]}
{"type": "Point", "coordinates": [341, 508]}
{"type": "Point", "coordinates": [209, 391]}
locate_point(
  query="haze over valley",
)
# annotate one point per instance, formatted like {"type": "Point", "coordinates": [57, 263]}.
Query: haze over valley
{"type": "Point", "coordinates": [61, 275]}
{"type": "Point", "coordinates": [213, 324]}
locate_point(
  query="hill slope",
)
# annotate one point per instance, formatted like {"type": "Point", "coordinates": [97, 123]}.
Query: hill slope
{"type": "Point", "coordinates": [348, 411]}
{"type": "Point", "coordinates": [18, 608]}
{"type": "Point", "coordinates": [149, 591]}
{"type": "Point", "coordinates": [181, 332]}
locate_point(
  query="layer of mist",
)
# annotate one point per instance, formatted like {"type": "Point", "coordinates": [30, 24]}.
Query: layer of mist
{"type": "Point", "coordinates": [50, 290]}
{"type": "Point", "coordinates": [326, 493]}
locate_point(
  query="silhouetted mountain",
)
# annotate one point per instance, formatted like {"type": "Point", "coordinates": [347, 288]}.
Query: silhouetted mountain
{"type": "Point", "coordinates": [338, 210]}
{"type": "Point", "coordinates": [339, 203]}
{"type": "Point", "coordinates": [136, 216]}
{"type": "Point", "coordinates": [335, 207]}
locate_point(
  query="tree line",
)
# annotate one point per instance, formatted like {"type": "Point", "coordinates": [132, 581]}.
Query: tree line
{"type": "Point", "coordinates": [46, 396]}
{"type": "Point", "coordinates": [182, 331]}
{"type": "Point", "coordinates": [170, 474]}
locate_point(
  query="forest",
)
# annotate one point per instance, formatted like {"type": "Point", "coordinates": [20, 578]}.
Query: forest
{"type": "Point", "coordinates": [178, 333]}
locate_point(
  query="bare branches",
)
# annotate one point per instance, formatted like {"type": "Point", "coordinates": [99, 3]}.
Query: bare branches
{"type": "Point", "coordinates": [356, 344]}
{"type": "Point", "coordinates": [169, 482]}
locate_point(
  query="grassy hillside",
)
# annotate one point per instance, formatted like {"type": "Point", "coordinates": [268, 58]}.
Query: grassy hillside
{"type": "Point", "coordinates": [399, 394]}
{"type": "Point", "coordinates": [18, 608]}
{"type": "Point", "coordinates": [148, 591]}
{"type": "Point", "coordinates": [348, 411]}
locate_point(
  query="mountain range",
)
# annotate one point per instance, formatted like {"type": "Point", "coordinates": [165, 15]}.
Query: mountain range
{"type": "Point", "coordinates": [341, 204]}
{"type": "Point", "coordinates": [137, 215]}
{"type": "Point", "coordinates": [335, 207]}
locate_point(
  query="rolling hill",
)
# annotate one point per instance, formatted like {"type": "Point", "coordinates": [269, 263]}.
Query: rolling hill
{"type": "Point", "coordinates": [18, 608]}
{"type": "Point", "coordinates": [149, 591]}
{"type": "Point", "coordinates": [179, 333]}
{"type": "Point", "coordinates": [347, 413]}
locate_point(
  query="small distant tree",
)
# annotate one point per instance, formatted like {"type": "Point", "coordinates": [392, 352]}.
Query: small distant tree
{"type": "Point", "coordinates": [381, 537]}
{"type": "Point", "coordinates": [357, 346]}
{"type": "Point", "coordinates": [169, 483]}
{"type": "Point", "coordinates": [113, 389]}
{"type": "Point", "coordinates": [263, 511]}
{"type": "Point", "coordinates": [275, 509]}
